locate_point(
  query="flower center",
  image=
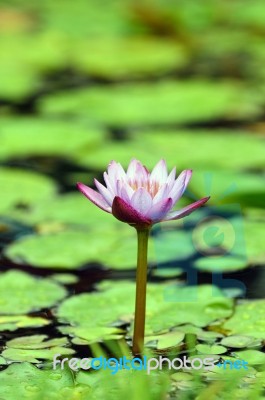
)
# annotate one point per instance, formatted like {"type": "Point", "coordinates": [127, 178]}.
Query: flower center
{"type": "Point", "coordinates": [151, 187]}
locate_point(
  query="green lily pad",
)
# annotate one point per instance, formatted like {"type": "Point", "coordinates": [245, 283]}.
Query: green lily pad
{"type": "Point", "coordinates": [239, 341]}
{"type": "Point", "coordinates": [30, 382]}
{"type": "Point", "coordinates": [202, 148]}
{"type": "Point", "coordinates": [42, 250]}
{"type": "Point", "coordinates": [33, 136]}
{"type": "Point", "coordinates": [87, 335]}
{"type": "Point", "coordinates": [167, 340]}
{"type": "Point", "coordinates": [33, 348]}
{"type": "Point", "coordinates": [221, 264]}
{"type": "Point", "coordinates": [65, 279]}
{"type": "Point", "coordinates": [214, 349]}
{"type": "Point", "coordinates": [175, 245]}
{"type": "Point", "coordinates": [166, 272]}
{"type": "Point", "coordinates": [114, 247]}
{"type": "Point", "coordinates": [202, 334]}
{"type": "Point", "coordinates": [21, 293]}
{"type": "Point", "coordinates": [197, 305]}
{"type": "Point", "coordinates": [255, 236]}
{"type": "Point", "coordinates": [248, 318]}
{"type": "Point", "coordinates": [128, 56]}
{"type": "Point", "coordinates": [163, 102]}
{"type": "Point", "coordinates": [228, 187]}
{"type": "Point", "coordinates": [11, 322]}
{"type": "Point", "coordinates": [21, 188]}
{"type": "Point", "coordinates": [253, 357]}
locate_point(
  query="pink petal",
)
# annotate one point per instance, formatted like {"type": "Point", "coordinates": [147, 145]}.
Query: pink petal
{"type": "Point", "coordinates": [126, 213]}
{"type": "Point", "coordinates": [141, 201]}
{"type": "Point", "coordinates": [111, 187]}
{"type": "Point", "coordinates": [108, 196]}
{"type": "Point", "coordinates": [133, 168]}
{"type": "Point", "coordinates": [94, 196]}
{"type": "Point", "coordinates": [186, 210]}
{"type": "Point", "coordinates": [162, 193]}
{"type": "Point", "coordinates": [171, 178]}
{"type": "Point", "coordinates": [159, 173]}
{"type": "Point", "coordinates": [115, 171]}
{"type": "Point", "coordinates": [180, 185]}
{"type": "Point", "coordinates": [160, 209]}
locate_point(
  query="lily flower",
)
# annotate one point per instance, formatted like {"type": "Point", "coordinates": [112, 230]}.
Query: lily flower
{"type": "Point", "coordinates": [139, 197]}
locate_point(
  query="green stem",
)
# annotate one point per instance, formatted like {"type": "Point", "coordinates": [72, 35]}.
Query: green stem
{"type": "Point", "coordinates": [140, 300]}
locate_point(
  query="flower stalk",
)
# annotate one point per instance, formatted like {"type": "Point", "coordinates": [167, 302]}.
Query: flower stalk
{"type": "Point", "coordinates": [140, 298]}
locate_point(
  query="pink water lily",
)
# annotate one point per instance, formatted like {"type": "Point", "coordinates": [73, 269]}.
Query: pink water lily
{"type": "Point", "coordinates": [139, 197]}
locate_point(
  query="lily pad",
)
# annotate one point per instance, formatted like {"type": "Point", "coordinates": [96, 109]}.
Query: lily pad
{"type": "Point", "coordinates": [138, 104]}
{"type": "Point", "coordinates": [239, 341]}
{"type": "Point", "coordinates": [30, 382]}
{"type": "Point", "coordinates": [174, 245]}
{"type": "Point", "coordinates": [87, 335]}
{"type": "Point", "coordinates": [65, 279]}
{"type": "Point", "coordinates": [119, 57]}
{"type": "Point", "coordinates": [21, 293]}
{"type": "Point", "coordinates": [167, 340]}
{"type": "Point", "coordinates": [197, 305]}
{"type": "Point", "coordinates": [115, 248]}
{"type": "Point", "coordinates": [248, 318]}
{"type": "Point", "coordinates": [253, 357]}
{"type": "Point", "coordinates": [214, 349]}
{"type": "Point", "coordinates": [33, 348]}
{"type": "Point", "coordinates": [221, 264]}
{"type": "Point", "coordinates": [201, 147]}
{"type": "Point", "coordinates": [228, 186]}
{"type": "Point", "coordinates": [11, 322]}
{"type": "Point", "coordinates": [33, 136]}
{"type": "Point", "coordinates": [22, 188]}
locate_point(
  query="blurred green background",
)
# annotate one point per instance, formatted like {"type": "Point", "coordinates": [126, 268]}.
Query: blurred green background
{"type": "Point", "coordinates": [85, 82]}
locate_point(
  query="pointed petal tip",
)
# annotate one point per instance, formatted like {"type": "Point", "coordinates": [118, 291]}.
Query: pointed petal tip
{"type": "Point", "coordinates": [94, 197]}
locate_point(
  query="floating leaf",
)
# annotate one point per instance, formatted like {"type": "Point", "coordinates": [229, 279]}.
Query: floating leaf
{"type": "Point", "coordinates": [21, 188]}
{"type": "Point", "coordinates": [30, 382]}
{"type": "Point", "coordinates": [77, 248]}
{"type": "Point", "coordinates": [197, 305]}
{"type": "Point", "coordinates": [120, 57]}
{"type": "Point", "coordinates": [33, 348]}
{"type": "Point", "coordinates": [164, 341]}
{"type": "Point", "coordinates": [21, 293]}
{"type": "Point", "coordinates": [214, 349]}
{"type": "Point", "coordinates": [253, 357]}
{"type": "Point", "coordinates": [87, 334]}
{"type": "Point", "coordinates": [221, 264]}
{"type": "Point", "coordinates": [26, 136]}
{"type": "Point", "coordinates": [65, 279]}
{"type": "Point", "coordinates": [248, 318]}
{"type": "Point", "coordinates": [239, 341]}
{"type": "Point", "coordinates": [138, 104]}
{"type": "Point", "coordinates": [11, 323]}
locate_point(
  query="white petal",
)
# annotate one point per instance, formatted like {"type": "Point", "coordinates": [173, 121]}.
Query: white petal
{"type": "Point", "coordinates": [110, 185]}
{"type": "Point", "coordinates": [171, 178]}
{"type": "Point", "coordinates": [159, 173]}
{"type": "Point", "coordinates": [141, 201]}
{"type": "Point", "coordinates": [108, 196]}
{"type": "Point", "coordinates": [162, 193]}
{"type": "Point", "coordinates": [158, 211]}
{"type": "Point", "coordinates": [132, 169]}
{"type": "Point", "coordinates": [115, 171]}
{"type": "Point", "coordinates": [180, 185]}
